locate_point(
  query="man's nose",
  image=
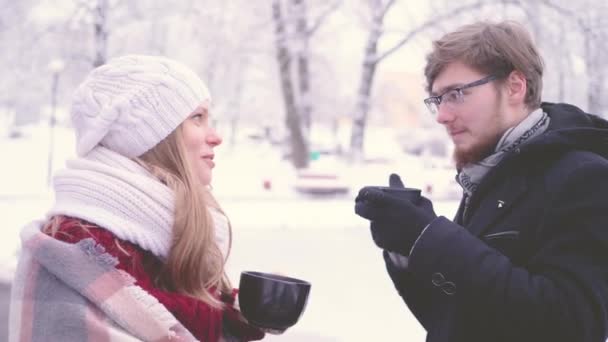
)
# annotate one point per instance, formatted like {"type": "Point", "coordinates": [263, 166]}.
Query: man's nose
{"type": "Point", "coordinates": [444, 115]}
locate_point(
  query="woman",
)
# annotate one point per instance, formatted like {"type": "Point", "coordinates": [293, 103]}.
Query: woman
{"type": "Point", "coordinates": [134, 246]}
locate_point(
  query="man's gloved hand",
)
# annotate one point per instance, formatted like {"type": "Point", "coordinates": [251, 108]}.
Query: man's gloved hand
{"type": "Point", "coordinates": [396, 223]}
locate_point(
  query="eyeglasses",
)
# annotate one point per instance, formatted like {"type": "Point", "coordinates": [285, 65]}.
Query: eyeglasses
{"type": "Point", "coordinates": [452, 97]}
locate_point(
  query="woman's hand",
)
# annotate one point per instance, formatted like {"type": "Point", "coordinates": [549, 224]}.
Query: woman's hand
{"type": "Point", "coordinates": [235, 323]}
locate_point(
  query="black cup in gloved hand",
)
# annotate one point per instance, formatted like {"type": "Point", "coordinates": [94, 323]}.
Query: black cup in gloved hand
{"type": "Point", "coordinates": [396, 219]}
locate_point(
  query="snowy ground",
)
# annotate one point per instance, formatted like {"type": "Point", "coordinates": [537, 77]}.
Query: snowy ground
{"type": "Point", "coordinates": [277, 230]}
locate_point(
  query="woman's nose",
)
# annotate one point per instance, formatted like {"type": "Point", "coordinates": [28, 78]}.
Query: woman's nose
{"type": "Point", "coordinates": [213, 138]}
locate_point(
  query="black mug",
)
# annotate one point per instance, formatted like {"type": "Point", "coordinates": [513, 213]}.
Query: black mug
{"type": "Point", "coordinates": [411, 194]}
{"type": "Point", "coordinates": [271, 301]}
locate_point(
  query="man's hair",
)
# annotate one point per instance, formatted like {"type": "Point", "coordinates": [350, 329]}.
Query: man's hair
{"type": "Point", "coordinates": [491, 48]}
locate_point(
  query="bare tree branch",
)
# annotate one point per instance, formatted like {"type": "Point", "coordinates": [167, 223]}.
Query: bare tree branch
{"type": "Point", "coordinates": [386, 7]}
{"type": "Point", "coordinates": [36, 37]}
{"type": "Point", "coordinates": [433, 21]}
{"type": "Point", "coordinates": [567, 13]}
{"type": "Point", "coordinates": [316, 23]}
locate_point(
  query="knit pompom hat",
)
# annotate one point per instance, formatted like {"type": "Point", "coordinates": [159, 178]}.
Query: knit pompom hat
{"type": "Point", "coordinates": [133, 102]}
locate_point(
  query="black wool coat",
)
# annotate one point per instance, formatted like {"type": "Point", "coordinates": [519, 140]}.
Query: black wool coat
{"type": "Point", "coordinates": [529, 262]}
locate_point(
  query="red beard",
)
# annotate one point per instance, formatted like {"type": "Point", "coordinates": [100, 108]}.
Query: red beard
{"type": "Point", "coordinates": [477, 152]}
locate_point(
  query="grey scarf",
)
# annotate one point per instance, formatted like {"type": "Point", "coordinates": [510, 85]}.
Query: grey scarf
{"type": "Point", "coordinates": [470, 175]}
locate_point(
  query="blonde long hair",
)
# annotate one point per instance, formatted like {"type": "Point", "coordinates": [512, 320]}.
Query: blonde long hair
{"type": "Point", "coordinates": [195, 264]}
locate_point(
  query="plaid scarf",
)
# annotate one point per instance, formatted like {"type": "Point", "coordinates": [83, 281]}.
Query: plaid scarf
{"type": "Point", "coordinates": [470, 176]}
{"type": "Point", "coordinates": [73, 292]}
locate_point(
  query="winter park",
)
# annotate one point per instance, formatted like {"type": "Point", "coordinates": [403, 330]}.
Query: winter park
{"type": "Point", "coordinates": [310, 101]}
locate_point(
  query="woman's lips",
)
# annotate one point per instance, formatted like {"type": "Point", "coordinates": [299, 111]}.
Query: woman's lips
{"type": "Point", "coordinates": [209, 161]}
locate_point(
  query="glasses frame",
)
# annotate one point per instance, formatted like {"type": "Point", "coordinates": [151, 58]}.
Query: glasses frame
{"type": "Point", "coordinates": [433, 102]}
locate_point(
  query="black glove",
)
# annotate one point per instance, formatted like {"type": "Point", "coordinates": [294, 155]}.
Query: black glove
{"type": "Point", "coordinates": [396, 223]}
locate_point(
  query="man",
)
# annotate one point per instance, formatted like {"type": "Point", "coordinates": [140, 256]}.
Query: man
{"type": "Point", "coordinates": [526, 257]}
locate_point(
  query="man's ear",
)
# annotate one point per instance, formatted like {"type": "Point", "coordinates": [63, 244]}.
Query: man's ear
{"type": "Point", "coordinates": [516, 87]}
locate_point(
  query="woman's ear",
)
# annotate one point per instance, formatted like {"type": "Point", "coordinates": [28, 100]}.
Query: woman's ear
{"type": "Point", "coordinates": [516, 86]}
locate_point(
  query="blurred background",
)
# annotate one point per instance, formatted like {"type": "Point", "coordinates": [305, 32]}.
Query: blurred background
{"type": "Point", "coordinates": [313, 98]}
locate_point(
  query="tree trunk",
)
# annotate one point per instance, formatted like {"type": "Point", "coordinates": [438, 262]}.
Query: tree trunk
{"type": "Point", "coordinates": [100, 24]}
{"type": "Point", "coordinates": [594, 72]}
{"type": "Point", "coordinates": [299, 149]}
{"type": "Point", "coordinates": [362, 110]}
{"type": "Point", "coordinates": [561, 73]}
{"type": "Point", "coordinates": [235, 109]}
{"type": "Point", "coordinates": [365, 87]}
{"type": "Point", "coordinates": [303, 53]}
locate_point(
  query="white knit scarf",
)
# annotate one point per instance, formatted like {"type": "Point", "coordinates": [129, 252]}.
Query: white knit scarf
{"type": "Point", "coordinates": [118, 194]}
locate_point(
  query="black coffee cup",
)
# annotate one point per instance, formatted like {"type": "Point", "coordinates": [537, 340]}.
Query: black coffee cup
{"type": "Point", "coordinates": [272, 301]}
{"type": "Point", "coordinates": [411, 194]}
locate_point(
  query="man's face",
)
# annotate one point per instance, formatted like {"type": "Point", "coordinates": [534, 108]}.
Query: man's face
{"type": "Point", "coordinates": [477, 121]}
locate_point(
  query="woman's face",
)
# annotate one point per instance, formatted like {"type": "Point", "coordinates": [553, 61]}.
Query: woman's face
{"type": "Point", "coordinates": [200, 139]}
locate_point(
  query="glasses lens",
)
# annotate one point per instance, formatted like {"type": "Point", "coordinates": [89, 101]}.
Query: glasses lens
{"type": "Point", "coordinates": [431, 105]}
{"type": "Point", "coordinates": [453, 96]}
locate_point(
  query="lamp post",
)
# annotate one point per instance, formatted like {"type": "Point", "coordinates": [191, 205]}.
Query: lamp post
{"type": "Point", "coordinates": [55, 67]}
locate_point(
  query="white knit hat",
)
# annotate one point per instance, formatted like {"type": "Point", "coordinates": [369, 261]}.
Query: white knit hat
{"type": "Point", "coordinates": [133, 102]}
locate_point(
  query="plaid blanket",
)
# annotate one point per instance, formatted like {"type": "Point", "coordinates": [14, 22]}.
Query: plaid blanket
{"type": "Point", "coordinates": [73, 292]}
